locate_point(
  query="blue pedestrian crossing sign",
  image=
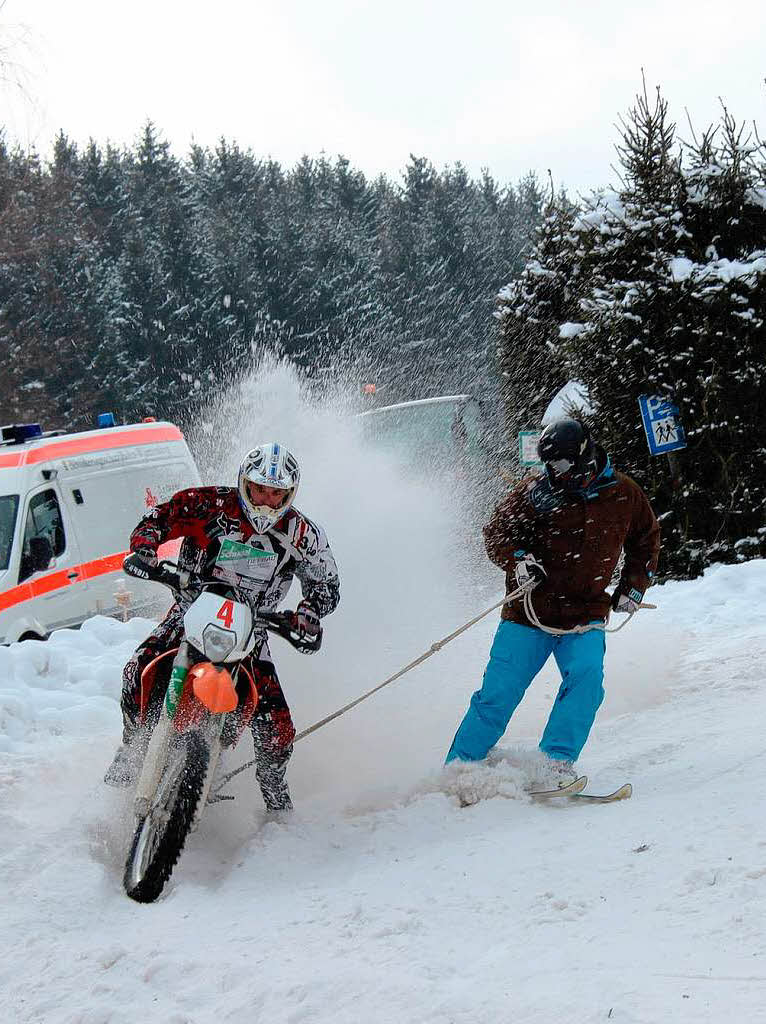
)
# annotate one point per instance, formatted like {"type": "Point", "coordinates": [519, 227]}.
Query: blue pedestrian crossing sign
{"type": "Point", "coordinates": [664, 432]}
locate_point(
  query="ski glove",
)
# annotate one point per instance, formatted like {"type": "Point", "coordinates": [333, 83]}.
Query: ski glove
{"type": "Point", "coordinates": [628, 603]}
{"type": "Point", "coordinates": [529, 572]}
{"type": "Point", "coordinates": [306, 620]}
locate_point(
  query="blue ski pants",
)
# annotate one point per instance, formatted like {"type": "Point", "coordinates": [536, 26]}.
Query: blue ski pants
{"type": "Point", "coordinates": [517, 655]}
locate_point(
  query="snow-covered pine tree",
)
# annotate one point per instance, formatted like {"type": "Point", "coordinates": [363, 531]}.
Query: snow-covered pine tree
{"type": "Point", "coordinates": [659, 288]}
{"type": "Point", "coordinates": [724, 284]}
{"type": "Point", "coordinates": [444, 239]}
{"type": "Point", "coordinates": [44, 324]}
{"type": "Point", "coordinates": [531, 312]}
{"type": "Point", "coordinates": [128, 278]}
{"type": "Point", "coordinates": [161, 354]}
{"type": "Point", "coordinates": [627, 341]}
{"type": "Point", "coordinates": [675, 307]}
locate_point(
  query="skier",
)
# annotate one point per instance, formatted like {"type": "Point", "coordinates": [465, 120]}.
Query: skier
{"type": "Point", "coordinates": [259, 511]}
{"type": "Point", "coordinates": [562, 532]}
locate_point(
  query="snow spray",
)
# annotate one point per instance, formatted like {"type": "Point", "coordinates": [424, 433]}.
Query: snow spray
{"type": "Point", "coordinates": [412, 568]}
{"type": "Point", "coordinates": [411, 565]}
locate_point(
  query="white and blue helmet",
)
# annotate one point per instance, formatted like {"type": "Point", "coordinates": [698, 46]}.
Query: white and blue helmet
{"type": "Point", "coordinates": [268, 465]}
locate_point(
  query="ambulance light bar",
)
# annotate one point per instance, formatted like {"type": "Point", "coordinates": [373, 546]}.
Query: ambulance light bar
{"type": "Point", "coordinates": [18, 433]}
{"type": "Point", "coordinates": [105, 419]}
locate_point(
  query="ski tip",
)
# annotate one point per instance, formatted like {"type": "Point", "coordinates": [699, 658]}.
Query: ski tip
{"type": "Point", "coordinates": [623, 793]}
{"type": "Point", "coordinates": [572, 789]}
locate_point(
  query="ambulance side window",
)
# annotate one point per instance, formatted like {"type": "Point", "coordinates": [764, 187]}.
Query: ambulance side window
{"type": "Point", "coordinates": [43, 520]}
{"type": "Point", "coordinates": [9, 505]}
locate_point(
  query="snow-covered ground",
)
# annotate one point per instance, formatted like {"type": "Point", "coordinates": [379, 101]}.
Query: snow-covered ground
{"type": "Point", "coordinates": [383, 899]}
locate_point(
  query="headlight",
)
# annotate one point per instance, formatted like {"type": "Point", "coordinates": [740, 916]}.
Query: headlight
{"type": "Point", "coordinates": [217, 643]}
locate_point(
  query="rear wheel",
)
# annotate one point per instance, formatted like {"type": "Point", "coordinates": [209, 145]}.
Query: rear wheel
{"type": "Point", "coordinates": [160, 836]}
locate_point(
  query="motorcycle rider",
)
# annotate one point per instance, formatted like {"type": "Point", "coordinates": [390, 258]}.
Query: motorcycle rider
{"type": "Point", "coordinates": [259, 512]}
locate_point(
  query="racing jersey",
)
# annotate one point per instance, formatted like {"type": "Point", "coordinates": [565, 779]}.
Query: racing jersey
{"type": "Point", "coordinates": [218, 539]}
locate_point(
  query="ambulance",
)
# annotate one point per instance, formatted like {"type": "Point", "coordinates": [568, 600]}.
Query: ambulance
{"type": "Point", "coordinates": [68, 504]}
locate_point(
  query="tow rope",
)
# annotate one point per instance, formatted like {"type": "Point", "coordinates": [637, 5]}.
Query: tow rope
{"type": "Point", "coordinates": [531, 614]}
{"type": "Point", "coordinates": [413, 664]}
{"type": "Point", "coordinates": [397, 675]}
{"type": "Point", "coordinates": [525, 592]}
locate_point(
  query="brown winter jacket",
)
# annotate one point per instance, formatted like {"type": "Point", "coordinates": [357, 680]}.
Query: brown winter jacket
{"type": "Point", "coordinates": [578, 539]}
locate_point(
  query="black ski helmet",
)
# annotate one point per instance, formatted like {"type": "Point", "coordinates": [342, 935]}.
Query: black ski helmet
{"type": "Point", "coordinates": [568, 453]}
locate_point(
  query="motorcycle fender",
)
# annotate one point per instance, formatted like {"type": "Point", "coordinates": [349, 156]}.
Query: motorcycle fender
{"type": "Point", "coordinates": [147, 681]}
{"type": "Point", "coordinates": [213, 687]}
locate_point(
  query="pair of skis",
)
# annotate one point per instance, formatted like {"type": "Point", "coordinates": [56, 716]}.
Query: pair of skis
{"type": "Point", "coordinates": [574, 791]}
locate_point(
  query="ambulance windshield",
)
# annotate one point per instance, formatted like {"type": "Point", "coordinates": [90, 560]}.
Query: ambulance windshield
{"type": "Point", "coordinates": [9, 506]}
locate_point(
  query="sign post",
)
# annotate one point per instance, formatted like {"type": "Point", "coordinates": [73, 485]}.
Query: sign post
{"type": "Point", "coordinates": [664, 433]}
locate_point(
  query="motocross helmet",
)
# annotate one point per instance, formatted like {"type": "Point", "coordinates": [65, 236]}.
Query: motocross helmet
{"type": "Point", "coordinates": [268, 465]}
{"type": "Point", "coordinates": [568, 453]}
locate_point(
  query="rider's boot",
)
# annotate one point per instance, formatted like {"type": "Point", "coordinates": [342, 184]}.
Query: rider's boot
{"type": "Point", "coordinates": [126, 764]}
{"type": "Point", "coordinates": [271, 768]}
{"type": "Point", "coordinates": [274, 788]}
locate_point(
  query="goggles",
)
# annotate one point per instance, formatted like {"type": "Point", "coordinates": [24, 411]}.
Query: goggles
{"type": "Point", "coordinates": [560, 466]}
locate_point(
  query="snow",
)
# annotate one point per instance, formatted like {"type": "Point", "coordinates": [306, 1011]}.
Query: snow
{"type": "Point", "coordinates": [382, 899]}
{"type": "Point", "coordinates": [602, 210]}
{"type": "Point", "coordinates": [681, 268]}
{"type": "Point", "coordinates": [571, 330]}
{"type": "Point", "coordinates": [724, 270]}
{"type": "Point", "coordinates": [573, 394]}
{"type": "Point", "coordinates": [730, 270]}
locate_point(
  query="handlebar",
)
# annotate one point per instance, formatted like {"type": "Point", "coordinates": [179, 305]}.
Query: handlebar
{"type": "Point", "coordinates": [282, 623]}
{"type": "Point", "coordinates": [180, 580]}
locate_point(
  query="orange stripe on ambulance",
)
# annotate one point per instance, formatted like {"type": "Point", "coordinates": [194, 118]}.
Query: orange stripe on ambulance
{"type": "Point", "coordinates": [68, 504]}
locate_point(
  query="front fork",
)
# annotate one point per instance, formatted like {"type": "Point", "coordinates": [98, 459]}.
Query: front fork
{"type": "Point", "coordinates": [157, 749]}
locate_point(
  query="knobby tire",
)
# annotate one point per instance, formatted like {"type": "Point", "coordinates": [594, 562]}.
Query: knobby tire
{"type": "Point", "coordinates": [172, 837]}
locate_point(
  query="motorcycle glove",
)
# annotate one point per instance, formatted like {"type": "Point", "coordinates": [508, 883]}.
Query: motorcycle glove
{"type": "Point", "coordinates": [306, 620]}
{"type": "Point", "coordinates": [148, 555]}
{"type": "Point", "coordinates": [139, 565]}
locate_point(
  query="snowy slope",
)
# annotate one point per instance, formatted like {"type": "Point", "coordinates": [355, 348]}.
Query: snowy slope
{"type": "Point", "coordinates": [382, 899]}
{"type": "Point", "coordinates": [403, 906]}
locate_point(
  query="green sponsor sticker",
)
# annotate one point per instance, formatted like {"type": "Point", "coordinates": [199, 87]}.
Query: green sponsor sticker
{"type": "Point", "coordinates": [175, 689]}
{"type": "Point", "coordinates": [234, 551]}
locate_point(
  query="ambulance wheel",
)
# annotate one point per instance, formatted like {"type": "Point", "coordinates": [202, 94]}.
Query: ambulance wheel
{"type": "Point", "coordinates": [30, 636]}
{"type": "Point", "coordinates": [160, 836]}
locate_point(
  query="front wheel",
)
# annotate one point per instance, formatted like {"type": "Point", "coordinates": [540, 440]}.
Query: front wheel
{"type": "Point", "coordinates": [160, 836]}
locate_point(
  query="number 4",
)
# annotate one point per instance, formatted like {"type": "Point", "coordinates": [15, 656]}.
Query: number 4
{"type": "Point", "coordinates": [226, 613]}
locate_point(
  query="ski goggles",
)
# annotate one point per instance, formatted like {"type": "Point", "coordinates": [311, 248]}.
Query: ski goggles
{"type": "Point", "coordinates": [560, 466]}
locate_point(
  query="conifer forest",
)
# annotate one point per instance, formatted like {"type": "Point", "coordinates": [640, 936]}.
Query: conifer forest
{"type": "Point", "coordinates": [138, 280]}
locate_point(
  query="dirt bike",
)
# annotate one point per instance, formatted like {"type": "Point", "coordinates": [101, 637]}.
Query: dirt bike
{"type": "Point", "coordinates": [195, 701]}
